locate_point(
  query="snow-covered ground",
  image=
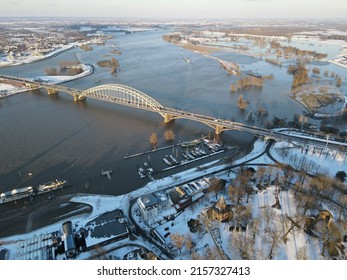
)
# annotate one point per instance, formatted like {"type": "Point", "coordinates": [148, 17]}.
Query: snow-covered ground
{"type": "Point", "coordinates": [8, 90]}
{"type": "Point", "coordinates": [87, 69]}
{"type": "Point", "coordinates": [265, 229]}
{"type": "Point", "coordinates": [11, 61]}
{"type": "Point", "coordinates": [321, 160]}
{"type": "Point", "coordinates": [341, 57]}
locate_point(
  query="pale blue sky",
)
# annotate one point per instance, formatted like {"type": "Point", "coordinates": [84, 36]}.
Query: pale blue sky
{"type": "Point", "coordinates": [176, 8]}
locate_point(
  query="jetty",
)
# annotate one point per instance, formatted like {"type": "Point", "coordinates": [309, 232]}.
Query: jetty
{"type": "Point", "coordinates": [107, 173]}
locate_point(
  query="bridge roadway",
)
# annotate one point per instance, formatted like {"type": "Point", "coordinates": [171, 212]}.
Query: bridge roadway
{"type": "Point", "coordinates": [222, 125]}
{"type": "Point", "coordinates": [131, 97]}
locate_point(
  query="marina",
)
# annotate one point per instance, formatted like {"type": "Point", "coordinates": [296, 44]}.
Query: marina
{"type": "Point", "coordinates": [181, 154]}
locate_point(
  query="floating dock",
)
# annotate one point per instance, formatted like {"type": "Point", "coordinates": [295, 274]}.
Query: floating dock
{"type": "Point", "coordinates": [107, 173]}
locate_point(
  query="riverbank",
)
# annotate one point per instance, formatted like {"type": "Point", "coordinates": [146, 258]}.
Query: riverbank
{"type": "Point", "coordinates": [42, 223]}
{"type": "Point", "coordinates": [87, 70]}
{"type": "Point", "coordinates": [7, 90]}
{"type": "Point", "coordinates": [320, 101]}
{"type": "Point", "coordinates": [8, 62]}
{"type": "Point", "coordinates": [341, 57]}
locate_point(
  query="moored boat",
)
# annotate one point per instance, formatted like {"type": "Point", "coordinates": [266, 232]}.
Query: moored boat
{"type": "Point", "coordinates": [20, 193]}
{"type": "Point", "coordinates": [190, 143]}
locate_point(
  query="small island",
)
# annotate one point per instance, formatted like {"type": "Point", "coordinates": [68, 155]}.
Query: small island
{"type": "Point", "coordinates": [113, 64]}
{"type": "Point", "coordinates": [320, 101]}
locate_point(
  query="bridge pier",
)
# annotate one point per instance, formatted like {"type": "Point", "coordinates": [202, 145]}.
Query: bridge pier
{"type": "Point", "coordinates": [219, 129]}
{"type": "Point", "coordinates": [168, 118]}
{"type": "Point", "coordinates": [78, 97]}
{"type": "Point", "coordinates": [31, 86]}
{"type": "Point", "coordinates": [52, 91]}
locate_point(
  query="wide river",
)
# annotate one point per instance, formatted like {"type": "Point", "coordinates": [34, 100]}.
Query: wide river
{"type": "Point", "coordinates": [47, 137]}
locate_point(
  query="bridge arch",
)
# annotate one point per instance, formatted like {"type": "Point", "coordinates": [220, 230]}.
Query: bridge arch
{"type": "Point", "coordinates": [124, 95]}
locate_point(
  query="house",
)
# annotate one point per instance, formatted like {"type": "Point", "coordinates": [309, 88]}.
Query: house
{"type": "Point", "coordinates": [179, 198]}
{"type": "Point", "coordinates": [152, 204]}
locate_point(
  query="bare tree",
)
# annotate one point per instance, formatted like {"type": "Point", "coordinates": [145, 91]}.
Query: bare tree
{"type": "Point", "coordinates": [289, 174]}
{"type": "Point", "coordinates": [212, 254]}
{"type": "Point", "coordinates": [190, 243]}
{"type": "Point", "coordinates": [99, 252]}
{"type": "Point", "coordinates": [52, 71]}
{"type": "Point", "coordinates": [169, 135]}
{"type": "Point", "coordinates": [255, 228]}
{"type": "Point", "coordinates": [343, 205]}
{"type": "Point", "coordinates": [301, 254]}
{"type": "Point", "coordinates": [242, 245]}
{"type": "Point", "coordinates": [235, 194]}
{"type": "Point", "coordinates": [308, 202]}
{"type": "Point", "coordinates": [302, 175]}
{"type": "Point", "coordinates": [242, 103]}
{"type": "Point", "coordinates": [261, 171]}
{"type": "Point", "coordinates": [216, 185]}
{"type": "Point", "coordinates": [274, 237]}
{"type": "Point", "coordinates": [268, 217]}
{"type": "Point", "coordinates": [331, 236]}
{"type": "Point", "coordinates": [178, 240]}
{"type": "Point", "coordinates": [153, 139]}
{"type": "Point", "coordinates": [242, 179]}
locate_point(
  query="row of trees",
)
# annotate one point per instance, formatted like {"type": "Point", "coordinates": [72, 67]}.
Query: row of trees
{"type": "Point", "coordinates": [169, 135]}
{"type": "Point", "coordinates": [70, 68]}
{"type": "Point", "coordinates": [247, 82]}
{"type": "Point", "coordinates": [270, 228]}
{"type": "Point", "coordinates": [300, 74]}
{"type": "Point", "coordinates": [289, 51]}
{"type": "Point", "coordinates": [113, 64]}
{"type": "Point", "coordinates": [311, 192]}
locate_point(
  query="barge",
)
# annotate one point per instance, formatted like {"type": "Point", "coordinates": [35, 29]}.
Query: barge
{"type": "Point", "coordinates": [30, 191]}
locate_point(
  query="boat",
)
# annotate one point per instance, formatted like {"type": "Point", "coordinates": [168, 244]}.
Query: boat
{"type": "Point", "coordinates": [20, 193]}
{"type": "Point", "coordinates": [203, 152]}
{"type": "Point", "coordinates": [190, 143]}
{"type": "Point", "coordinates": [186, 59]}
{"type": "Point", "coordinates": [173, 160]}
{"type": "Point", "coordinates": [193, 152]}
{"type": "Point", "coordinates": [167, 161]}
{"type": "Point", "coordinates": [185, 155]}
{"type": "Point", "coordinates": [190, 156]}
{"type": "Point", "coordinates": [141, 173]}
{"type": "Point", "coordinates": [16, 194]}
{"type": "Point", "coordinates": [148, 167]}
{"type": "Point", "coordinates": [51, 186]}
{"type": "Point", "coordinates": [150, 170]}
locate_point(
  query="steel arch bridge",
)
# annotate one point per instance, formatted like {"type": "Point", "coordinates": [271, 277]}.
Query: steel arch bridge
{"type": "Point", "coordinates": [123, 95]}
{"type": "Point", "coordinates": [127, 96]}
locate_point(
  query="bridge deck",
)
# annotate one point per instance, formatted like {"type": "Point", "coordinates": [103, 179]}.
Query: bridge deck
{"type": "Point", "coordinates": [127, 96]}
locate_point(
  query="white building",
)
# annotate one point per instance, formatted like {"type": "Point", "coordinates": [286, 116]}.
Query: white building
{"type": "Point", "coordinates": [153, 204]}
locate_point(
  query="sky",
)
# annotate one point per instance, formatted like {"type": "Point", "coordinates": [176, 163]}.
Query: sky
{"type": "Point", "coordinates": [171, 9]}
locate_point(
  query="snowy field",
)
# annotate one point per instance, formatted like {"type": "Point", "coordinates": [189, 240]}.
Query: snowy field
{"type": "Point", "coordinates": [8, 90]}
{"type": "Point", "coordinates": [320, 160]}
